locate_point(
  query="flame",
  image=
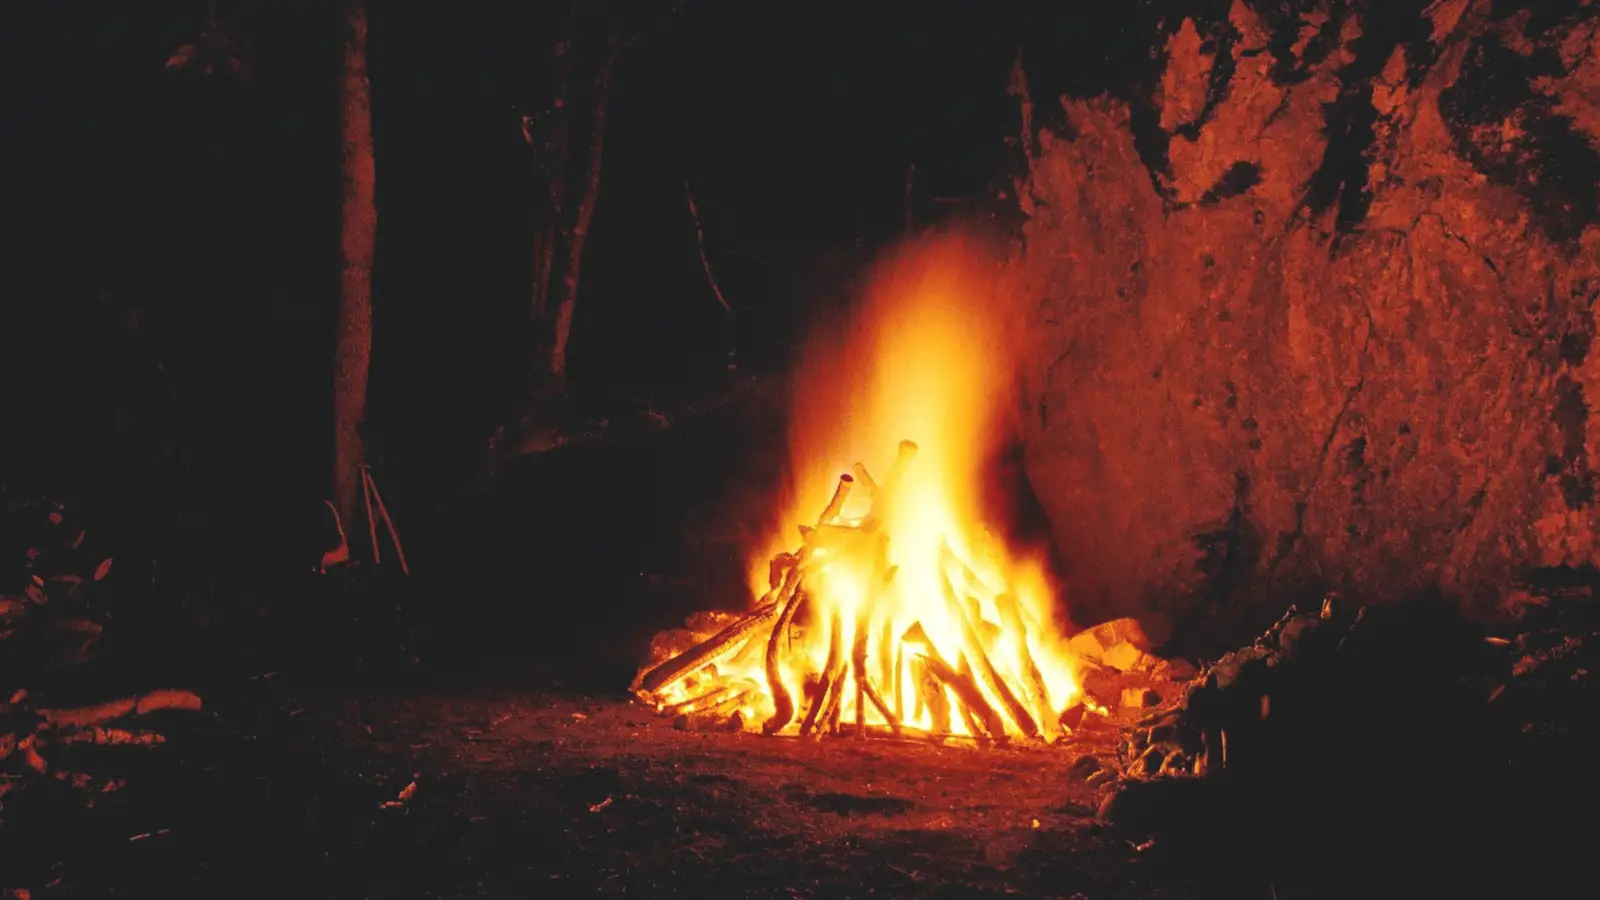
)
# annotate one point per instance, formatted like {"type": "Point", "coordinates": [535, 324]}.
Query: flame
{"type": "Point", "coordinates": [923, 360]}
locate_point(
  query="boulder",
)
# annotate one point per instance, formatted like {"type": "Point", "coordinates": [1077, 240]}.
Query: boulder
{"type": "Point", "coordinates": [1309, 304]}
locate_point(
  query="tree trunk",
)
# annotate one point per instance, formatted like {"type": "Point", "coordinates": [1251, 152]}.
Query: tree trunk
{"type": "Point", "coordinates": [550, 164]}
{"type": "Point", "coordinates": [561, 311]}
{"type": "Point", "coordinates": [358, 226]}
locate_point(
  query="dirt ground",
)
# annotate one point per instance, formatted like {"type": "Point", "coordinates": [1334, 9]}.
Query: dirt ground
{"type": "Point", "coordinates": [540, 794]}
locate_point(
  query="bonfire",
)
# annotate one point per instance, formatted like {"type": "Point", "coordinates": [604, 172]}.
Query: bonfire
{"type": "Point", "coordinates": [894, 612]}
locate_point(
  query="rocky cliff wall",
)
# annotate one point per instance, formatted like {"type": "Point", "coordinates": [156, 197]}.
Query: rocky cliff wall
{"type": "Point", "coordinates": [1311, 306]}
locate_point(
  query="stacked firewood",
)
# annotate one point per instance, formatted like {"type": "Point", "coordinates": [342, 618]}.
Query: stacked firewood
{"type": "Point", "coordinates": [54, 606]}
{"type": "Point", "coordinates": [686, 682]}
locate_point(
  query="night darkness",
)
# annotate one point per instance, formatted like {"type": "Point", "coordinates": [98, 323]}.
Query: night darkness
{"type": "Point", "coordinates": [210, 209]}
{"type": "Point", "coordinates": [1309, 289]}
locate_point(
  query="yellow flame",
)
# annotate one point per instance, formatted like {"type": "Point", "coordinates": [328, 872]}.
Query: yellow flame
{"type": "Point", "coordinates": [924, 359]}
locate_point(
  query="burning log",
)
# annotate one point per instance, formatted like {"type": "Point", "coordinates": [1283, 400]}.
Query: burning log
{"type": "Point", "coordinates": [718, 646]}
{"type": "Point", "coordinates": [710, 700]}
{"type": "Point", "coordinates": [930, 696]}
{"type": "Point", "coordinates": [974, 726]}
{"type": "Point", "coordinates": [832, 673]}
{"type": "Point", "coordinates": [883, 495]}
{"type": "Point", "coordinates": [840, 495]}
{"type": "Point", "coordinates": [882, 576]}
{"type": "Point", "coordinates": [968, 696]}
{"type": "Point", "coordinates": [984, 667]}
{"type": "Point", "coordinates": [834, 553]}
{"type": "Point", "coordinates": [859, 472]}
{"type": "Point", "coordinates": [1011, 617]}
{"type": "Point", "coordinates": [783, 704]}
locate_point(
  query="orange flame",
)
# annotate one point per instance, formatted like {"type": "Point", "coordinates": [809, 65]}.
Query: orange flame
{"type": "Point", "coordinates": [924, 360]}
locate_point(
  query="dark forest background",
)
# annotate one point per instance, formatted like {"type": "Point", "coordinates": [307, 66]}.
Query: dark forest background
{"type": "Point", "coordinates": [171, 266]}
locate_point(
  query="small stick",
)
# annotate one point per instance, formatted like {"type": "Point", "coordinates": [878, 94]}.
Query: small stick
{"type": "Point", "coordinates": [880, 705]}
{"type": "Point", "coordinates": [394, 535]}
{"type": "Point", "coordinates": [372, 518]}
{"type": "Point", "coordinates": [700, 242]}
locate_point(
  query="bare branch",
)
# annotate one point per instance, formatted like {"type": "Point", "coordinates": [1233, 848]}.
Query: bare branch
{"type": "Point", "coordinates": [700, 243]}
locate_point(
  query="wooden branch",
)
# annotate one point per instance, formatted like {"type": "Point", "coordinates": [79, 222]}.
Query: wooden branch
{"type": "Point", "coordinates": [782, 702]}
{"type": "Point", "coordinates": [700, 243]}
{"type": "Point", "coordinates": [961, 683]}
{"type": "Point", "coordinates": [372, 513]}
{"type": "Point", "coordinates": [832, 674]}
{"type": "Point", "coordinates": [1011, 616]}
{"type": "Point", "coordinates": [388, 523]}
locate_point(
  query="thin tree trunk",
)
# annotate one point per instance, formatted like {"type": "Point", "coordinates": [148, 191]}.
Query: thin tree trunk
{"type": "Point", "coordinates": [562, 312]}
{"type": "Point", "coordinates": [550, 160]}
{"type": "Point", "coordinates": [358, 227]}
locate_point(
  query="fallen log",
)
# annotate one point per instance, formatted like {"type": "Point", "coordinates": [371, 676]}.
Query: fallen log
{"type": "Point", "coordinates": [141, 704]}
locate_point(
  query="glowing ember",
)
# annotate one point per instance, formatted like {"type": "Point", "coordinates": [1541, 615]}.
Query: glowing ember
{"type": "Point", "coordinates": [897, 610]}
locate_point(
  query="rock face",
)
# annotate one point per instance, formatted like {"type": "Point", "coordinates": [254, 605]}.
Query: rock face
{"type": "Point", "coordinates": [1311, 300]}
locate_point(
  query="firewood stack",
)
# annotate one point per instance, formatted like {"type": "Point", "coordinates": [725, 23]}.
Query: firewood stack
{"type": "Point", "coordinates": [720, 677]}
{"type": "Point", "coordinates": [53, 609]}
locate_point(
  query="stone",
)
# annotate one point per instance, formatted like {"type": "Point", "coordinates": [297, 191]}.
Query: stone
{"type": "Point", "coordinates": [1094, 643]}
{"type": "Point", "coordinates": [1250, 368]}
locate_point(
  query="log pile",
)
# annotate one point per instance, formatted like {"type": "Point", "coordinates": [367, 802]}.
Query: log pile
{"type": "Point", "coordinates": [54, 606]}
{"type": "Point", "coordinates": [725, 671]}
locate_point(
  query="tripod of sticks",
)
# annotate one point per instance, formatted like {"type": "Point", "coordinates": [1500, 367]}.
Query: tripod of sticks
{"type": "Point", "coordinates": [372, 503]}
